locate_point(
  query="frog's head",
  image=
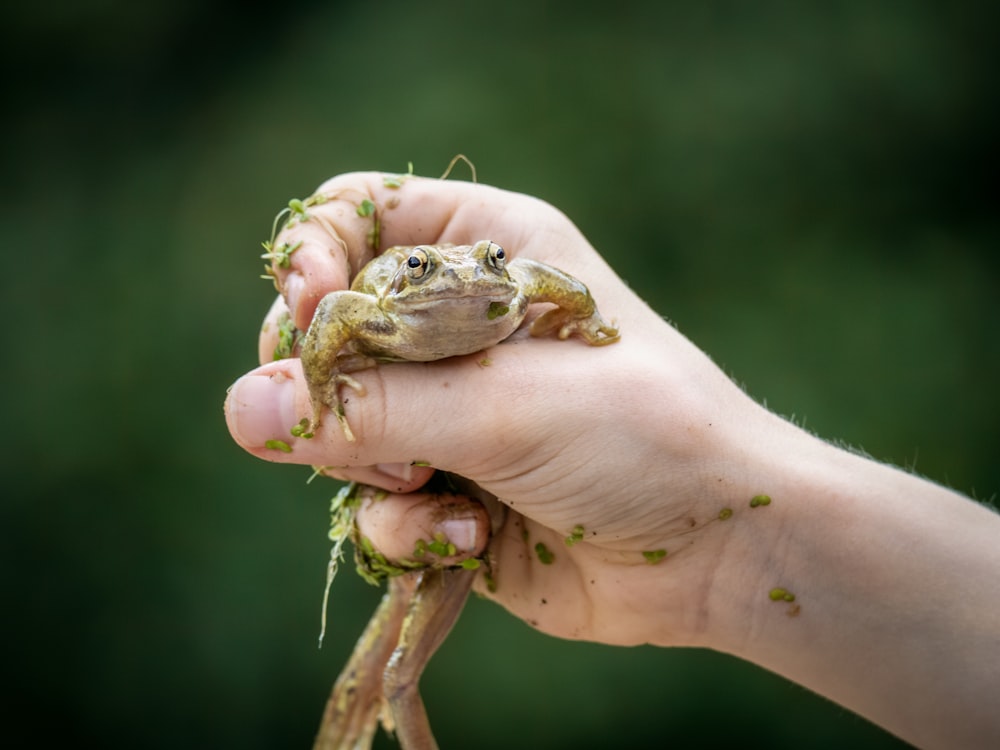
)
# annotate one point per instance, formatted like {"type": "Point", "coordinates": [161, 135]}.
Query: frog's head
{"type": "Point", "coordinates": [440, 275]}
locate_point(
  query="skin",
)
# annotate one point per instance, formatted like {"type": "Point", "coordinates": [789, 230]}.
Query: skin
{"type": "Point", "coordinates": [896, 613]}
{"type": "Point", "coordinates": [434, 301]}
{"type": "Point", "coordinates": [422, 303]}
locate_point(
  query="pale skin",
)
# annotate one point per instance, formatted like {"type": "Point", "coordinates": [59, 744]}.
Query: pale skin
{"type": "Point", "coordinates": [642, 444]}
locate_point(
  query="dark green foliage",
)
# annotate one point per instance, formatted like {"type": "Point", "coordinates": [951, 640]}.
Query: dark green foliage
{"type": "Point", "coordinates": [805, 189]}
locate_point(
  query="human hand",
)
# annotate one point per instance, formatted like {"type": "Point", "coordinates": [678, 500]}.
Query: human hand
{"type": "Point", "coordinates": [647, 447]}
{"type": "Point", "coordinates": [627, 442]}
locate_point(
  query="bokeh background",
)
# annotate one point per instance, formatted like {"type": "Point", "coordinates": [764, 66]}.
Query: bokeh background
{"type": "Point", "coordinates": [805, 189]}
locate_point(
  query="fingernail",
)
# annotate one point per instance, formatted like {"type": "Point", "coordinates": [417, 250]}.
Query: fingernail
{"type": "Point", "coordinates": [294, 290]}
{"type": "Point", "coordinates": [261, 407]}
{"type": "Point", "coordinates": [462, 531]}
{"type": "Point", "coordinates": [293, 286]}
{"type": "Point", "coordinates": [403, 472]}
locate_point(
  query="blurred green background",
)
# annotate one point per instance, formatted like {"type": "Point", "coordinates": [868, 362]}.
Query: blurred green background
{"type": "Point", "coordinates": [804, 190]}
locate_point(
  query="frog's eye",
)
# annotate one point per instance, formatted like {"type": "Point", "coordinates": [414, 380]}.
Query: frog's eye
{"type": "Point", "coordinates": [417, 263]}
{"type": "Point", "coordinates": [496, 255]}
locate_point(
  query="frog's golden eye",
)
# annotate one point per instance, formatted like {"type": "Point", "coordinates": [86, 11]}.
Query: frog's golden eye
{"type": "Point", "coordinates": [417, 263]}
{"type": "Point", "coordinates": [497, 256]}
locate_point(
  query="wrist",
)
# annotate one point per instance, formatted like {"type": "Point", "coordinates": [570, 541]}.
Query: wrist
{"type": "Point", "coordinates": [883, 567]}
{"type": "Point", "coordinates": [725, 503]}
{"type": "Point", "coordinates": [779, 482]}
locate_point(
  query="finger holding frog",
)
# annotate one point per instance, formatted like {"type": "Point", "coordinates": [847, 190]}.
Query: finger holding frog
{"type": "Point", "coordinates": [354, 217]}
{"type": "Point", "coordinates": [279, 341]}
{"type": "Point", "coordinates": [264, 404]}
{"type": "Point", "coordinates": [423, 528]}
{"type": "Point", "coordinates": [318, 244]}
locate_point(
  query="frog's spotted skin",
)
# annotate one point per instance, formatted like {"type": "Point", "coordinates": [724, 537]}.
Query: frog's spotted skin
{"type": "Point", "coordinates": [434, 301]}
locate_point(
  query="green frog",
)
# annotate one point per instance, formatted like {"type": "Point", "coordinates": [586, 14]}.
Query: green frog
{"type": "Point", "coordinates": [422, 303]}
{"type": "Point", "coordinates": [434, 301]}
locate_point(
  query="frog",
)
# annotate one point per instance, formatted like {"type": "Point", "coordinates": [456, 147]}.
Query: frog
{"type": "Point", "coordinates": [427, 302]}
{"type": "Point", "coordinates": [422, 303]}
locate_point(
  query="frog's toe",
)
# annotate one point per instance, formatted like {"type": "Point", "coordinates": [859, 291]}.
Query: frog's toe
{"type": "Point", "coordinates": [604, 334]}
{"type": "Point", "coordinates": [337, 404]}
{"type": "Point", "coordinates": [328, 396]}
{"type": "Point", "coordinates": [593, 330]}
{"type": "Point", "coordinates": [317, 419]}
{"type": "Point", "coordinates": [344, 426]}
{"type": "Point", "coordinates": [331, 398]}
{"type": "Point", "coordinates": [342, 378]}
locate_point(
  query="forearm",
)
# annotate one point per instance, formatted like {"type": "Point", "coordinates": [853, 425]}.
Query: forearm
{"type": "Point", "coordinates": [896, 582]}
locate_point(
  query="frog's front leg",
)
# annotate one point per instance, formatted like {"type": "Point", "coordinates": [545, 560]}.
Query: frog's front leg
{"type": "Point", "coordinates": [356, 701]}
{"type": "Point", "coordinates": [576, 312]}
{"type": "Point", "coordinates": [434, 608]}
{"type": "Point", "coordinates": [340, 318]}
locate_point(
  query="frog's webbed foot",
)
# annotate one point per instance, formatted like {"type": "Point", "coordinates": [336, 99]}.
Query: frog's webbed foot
{"type": "Point", "coordinates": [327, 393]}
{"type": "Point", "coordinates": [433, 610]}
{"type": "Point", "coordinates": [356, 702]}
{"type": "Point", "coordinates": [592, 328]}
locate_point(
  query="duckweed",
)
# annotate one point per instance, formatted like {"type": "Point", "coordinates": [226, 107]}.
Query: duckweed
{"type": "Point", "coordinates": [576, 535]}
{"type": "Point", "coordinates": [781, 595]}
{"type": "Point", "coordinates": [278, 445]}
{"type": "Point", "coordinates": [545, 556]}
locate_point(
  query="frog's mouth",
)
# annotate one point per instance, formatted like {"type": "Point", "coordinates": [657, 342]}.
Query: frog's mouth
{"type": "Point", "coordinates": [457, 300]}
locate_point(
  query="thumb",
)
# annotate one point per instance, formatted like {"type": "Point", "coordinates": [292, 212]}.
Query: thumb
{"type": "Point", "coordinates": [264, 407]}
{"type": "Point", "coordinates": [462, 414]}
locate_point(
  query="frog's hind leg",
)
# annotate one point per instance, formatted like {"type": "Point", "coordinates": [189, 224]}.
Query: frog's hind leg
{"type": "Point", "coordinates": [434, 608]}
{"type": "Point", "coordinates": [356, 702]}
